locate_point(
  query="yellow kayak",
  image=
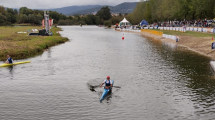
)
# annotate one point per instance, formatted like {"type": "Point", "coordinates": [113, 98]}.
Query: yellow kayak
{"type": "Point", "coordinates": [6, 65]}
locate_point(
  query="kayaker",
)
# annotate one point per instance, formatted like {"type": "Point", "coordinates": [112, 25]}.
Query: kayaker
{"type": "Point", "coordinates": [9, 60]}
{"type": "Point", "coordinates": [108, 83]}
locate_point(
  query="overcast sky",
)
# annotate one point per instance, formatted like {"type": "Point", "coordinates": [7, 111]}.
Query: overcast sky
{"type": "Point", "coordinates": [47, 4]}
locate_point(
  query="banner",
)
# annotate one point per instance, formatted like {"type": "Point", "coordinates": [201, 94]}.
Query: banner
{"type": "Point", "coordinates": [43, 23]}
{"type": "Point", "coordinates": [50, 24]}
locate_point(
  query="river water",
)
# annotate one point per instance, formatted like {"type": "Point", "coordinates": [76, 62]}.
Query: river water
{"type": "Point", "coordinates": [159, 81]}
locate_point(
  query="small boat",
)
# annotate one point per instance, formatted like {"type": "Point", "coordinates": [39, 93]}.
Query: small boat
{"type": "Point", "coordinates": [6, 65]}
{"type": "Point", "coordinates": [105, 92]}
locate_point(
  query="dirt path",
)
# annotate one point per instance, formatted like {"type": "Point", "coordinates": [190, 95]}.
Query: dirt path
{"type": "Point", "coordinates": [201, 45]}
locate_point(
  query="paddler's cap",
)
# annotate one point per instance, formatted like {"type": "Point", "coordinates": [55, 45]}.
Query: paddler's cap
{"type": "Point", "coordinates": [108, 77]}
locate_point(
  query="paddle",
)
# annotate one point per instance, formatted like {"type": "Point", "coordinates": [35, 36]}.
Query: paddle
{"type": "Point", "coordinates": [93, 87]}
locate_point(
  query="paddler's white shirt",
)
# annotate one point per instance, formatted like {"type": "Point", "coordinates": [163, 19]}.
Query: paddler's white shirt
{"type": "Point", "coordinates": [111, 82]}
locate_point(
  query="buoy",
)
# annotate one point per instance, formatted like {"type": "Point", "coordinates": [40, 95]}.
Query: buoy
{"type": "Point", "coordinates": [123, 38]}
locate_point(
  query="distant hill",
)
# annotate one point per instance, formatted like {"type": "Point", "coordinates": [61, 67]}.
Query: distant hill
{"type": "Point", "coordinates": [126, 7]}
{"type": "Point", "coordinates": [71, 9]}
{"type": "Point", "coordinates": [88, 11]}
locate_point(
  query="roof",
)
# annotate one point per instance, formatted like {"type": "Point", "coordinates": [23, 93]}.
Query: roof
{"type": "Point", "coordinates": [124, 21]}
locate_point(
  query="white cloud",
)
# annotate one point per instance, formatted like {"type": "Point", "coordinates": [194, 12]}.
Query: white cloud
{"type": "Point", "coordinates": [47, 4]}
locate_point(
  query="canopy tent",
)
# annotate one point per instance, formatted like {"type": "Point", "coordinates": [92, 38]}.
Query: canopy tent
{"type": "Point", "coordinates": [143, 22]}
{"type": "Point", "coordinates": [124, 22]}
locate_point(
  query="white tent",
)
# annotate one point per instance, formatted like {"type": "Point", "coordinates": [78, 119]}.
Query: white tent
{"type": "Point", "coordinates": [124, 22]}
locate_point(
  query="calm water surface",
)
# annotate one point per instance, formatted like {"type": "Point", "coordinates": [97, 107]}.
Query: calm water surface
{"type": "Point", "coordinates": [159, 81]}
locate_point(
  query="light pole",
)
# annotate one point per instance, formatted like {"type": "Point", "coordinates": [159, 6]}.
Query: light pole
{"type": "Point", "coordinates": [46, 16]}
{"type": "Point", "coordinates": [18, 10]}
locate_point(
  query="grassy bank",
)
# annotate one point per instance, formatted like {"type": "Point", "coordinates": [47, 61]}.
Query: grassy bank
{"type": "Point", "coordinates": [21, 46]}
{"type": "Point", "coordinates": [187, 33]}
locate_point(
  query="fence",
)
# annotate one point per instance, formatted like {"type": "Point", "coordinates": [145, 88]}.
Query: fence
{"type": "Point", "coordinates": [184, 29]}
{"type": "Point", "coordinates": [176, 38]}
{"type": "Point", "coordinates": [172, 37]}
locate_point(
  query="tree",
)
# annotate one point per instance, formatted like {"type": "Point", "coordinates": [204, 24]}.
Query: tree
{"type": "Point", "coordinates": [39, 19]}
{"type": "Point", "coordinates": [70, 17]}
{"type": "Point", "coordinates": [104, 13]}
{"type": "Point", "coordinates": [91, 19]}
{"type": "Point", "coordinates": [117, 19]}
{"type": "Point", "coordinates": [3, 19]}
{"type": "Point", "coordinates": [108, 23]}
{"type": "Point", "coordinates": [22, 18]}
{"type": "Point", "coordinates": [10, 17]}
{"type": "Point", "coordinates": [25, 10]}
{"type": "Point", "coordinates": [31, 18]}
{"type": "Point", "coordinates": [2, 10]}
{"type": "Point", "coordinates": [54, 15]}
{"type": "Point", "coordinates": [11, 11]}
{"type": "Point", "coordinates": [15, 11]}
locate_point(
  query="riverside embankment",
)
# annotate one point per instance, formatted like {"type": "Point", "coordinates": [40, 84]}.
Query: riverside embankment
{"type": "Point", "coordinates": [20, 45]}
{"type": "Point", "coordinates": [195, 41]}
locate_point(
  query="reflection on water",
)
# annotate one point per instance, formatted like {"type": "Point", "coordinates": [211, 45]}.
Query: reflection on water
{"type": "Point", "coordinates": [196, 76]}
{"type": "Point", "coordinates": [158, 80]}
{"type": "Point", "coordinates": [10, 68]}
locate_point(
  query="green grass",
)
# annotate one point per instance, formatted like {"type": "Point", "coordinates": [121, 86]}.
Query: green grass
{"type": "Point", "coordinates": [21, 46]}
{"type": "Point", "coordinates": [23, 24]}
{"type": "Point", "coordinates": [188, 33]}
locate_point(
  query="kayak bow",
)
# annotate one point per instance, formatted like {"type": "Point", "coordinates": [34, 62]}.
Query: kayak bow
{"type": "Point", "coordinates": [6, 65]}
{"type": "Point", "coordinates": [105, 92]}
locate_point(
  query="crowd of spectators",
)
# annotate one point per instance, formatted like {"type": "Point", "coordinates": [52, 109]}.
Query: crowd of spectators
{"type": "Point", "coordinates": [191, 23]}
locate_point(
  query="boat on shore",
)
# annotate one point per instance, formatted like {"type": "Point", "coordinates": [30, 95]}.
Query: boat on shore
{"type": "Point", "coordinates": [16, 63]}
{"type": "Point", "coordinates": [105, 92]}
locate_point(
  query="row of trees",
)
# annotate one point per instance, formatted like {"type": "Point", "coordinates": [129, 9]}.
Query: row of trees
{"type": "Point", "coordinates": [163, 10]}
{"type": "Point", "coordinates": [77, 20]}
{"type": "Point", "coordinates": [7, 16]}
{"type": "Point", "coordinates": [101, 16]}
{"type": "Point", "coordinates": [24, 15]}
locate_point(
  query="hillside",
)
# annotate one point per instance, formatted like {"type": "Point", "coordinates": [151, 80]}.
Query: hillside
{"type": "Point", "coordinates": [71, 9]}
{"type": "Point", "coordinates": [87, 11]}
{"type": "Point", "coordinates": [126, 7]}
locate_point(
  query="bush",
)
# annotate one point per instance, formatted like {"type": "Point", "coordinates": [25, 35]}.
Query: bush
{"type": "Point", "coordinates": [108, 23]}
